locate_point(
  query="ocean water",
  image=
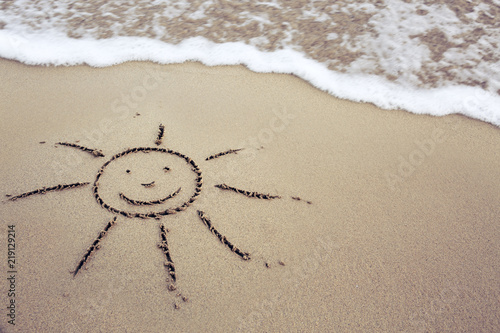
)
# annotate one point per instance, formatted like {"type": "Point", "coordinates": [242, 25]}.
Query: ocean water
{"type": "Point", "coordinates": [429, 56]}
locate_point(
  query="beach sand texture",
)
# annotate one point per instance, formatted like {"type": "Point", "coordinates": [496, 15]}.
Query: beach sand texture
{"type": "Point", "coordinates": [401, 234]}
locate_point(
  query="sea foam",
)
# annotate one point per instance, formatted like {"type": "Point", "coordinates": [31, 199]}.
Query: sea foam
{"type": "Point", "coordinates": [426, 59]}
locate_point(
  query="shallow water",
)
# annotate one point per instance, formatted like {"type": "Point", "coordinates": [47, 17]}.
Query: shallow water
{"type": "Point", "coordinates": [432, 57]}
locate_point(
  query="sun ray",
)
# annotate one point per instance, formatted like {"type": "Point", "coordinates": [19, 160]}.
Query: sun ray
{"type": "Point", "coordinates": [161, 131]}
{"type": "Point", "coordinates": [247, 193]}
{"type": "Point", "coordinates": [223, 239]}
{"type": "Point", "coordinates": [148, 203]}
{"type": "Point", "coordinates": [230, 151]}
{"type": "Point", "coordinates": [94, 152]}
{"type": "Point", "coordinates": [43, 190]}
{"type": "Point", "coordinates": [169, 263]}
{"type": "Point", "coordinates": [94, 247]}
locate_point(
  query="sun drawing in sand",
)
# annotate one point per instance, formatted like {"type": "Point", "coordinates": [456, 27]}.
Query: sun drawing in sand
{"type": "Point", "coordinates": [157, 163]}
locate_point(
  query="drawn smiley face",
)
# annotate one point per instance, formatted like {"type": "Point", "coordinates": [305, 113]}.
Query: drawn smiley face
{"type": "Point", "coordinates": [159, 176]}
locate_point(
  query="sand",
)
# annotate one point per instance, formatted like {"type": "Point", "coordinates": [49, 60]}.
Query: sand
{"type": "Point", "coordinates": [402, 233]}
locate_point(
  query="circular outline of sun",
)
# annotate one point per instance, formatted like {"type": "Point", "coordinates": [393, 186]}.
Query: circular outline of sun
{"type": "Point", "coordinates": [155, 215]}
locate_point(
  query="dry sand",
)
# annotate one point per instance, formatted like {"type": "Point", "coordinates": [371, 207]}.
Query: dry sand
{"type": "Point", "coordinates": [403, 232]}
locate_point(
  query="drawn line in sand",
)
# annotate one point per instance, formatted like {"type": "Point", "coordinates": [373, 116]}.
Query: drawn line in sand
{"type": "Point", "coordinates": [169, 264]}
{"type": "Point", "coordinates": [222, 239]}
{"type": "Point", "coordinates": [149, 184]}
{"type": "Point", "coordinates": [161, 132]}
{"type": "Point", "coordinates": [94, 247]}
{"type": "Point", "coordinates": [247, 193]}
{"type": "Point", "coordinates": [230, 151]}
{"type": "Point", "coordinates": [44, 190]}
{"type": "Point", "coordinates": [148, 203]}
{"type": "Point", "coordinates": [94, 152]}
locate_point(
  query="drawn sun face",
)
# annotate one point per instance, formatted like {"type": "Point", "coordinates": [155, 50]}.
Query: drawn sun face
{"type": "Point", "coordinates": [158, 182]}
{"type": "Point", "coordinates": [163, 169]}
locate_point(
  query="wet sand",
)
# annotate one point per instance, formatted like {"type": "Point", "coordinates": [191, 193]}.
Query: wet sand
{"type": "Point", "coordinates": [402, 231]}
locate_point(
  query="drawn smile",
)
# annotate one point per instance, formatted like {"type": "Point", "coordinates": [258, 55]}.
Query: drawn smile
{"type": "Point", "coordinates": [148, 203]}
{"type": "Point", "coordinates": [149, 184]}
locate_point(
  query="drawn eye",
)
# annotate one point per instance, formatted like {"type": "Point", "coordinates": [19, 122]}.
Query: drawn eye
{"type": "Point", "coordinates": [166, 169]}
{"type": "Point", "coordinates": [127, 171]}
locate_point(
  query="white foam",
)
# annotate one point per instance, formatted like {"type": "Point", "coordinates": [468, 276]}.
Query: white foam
{"type": "Point", "coordinates": [56, 49]}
